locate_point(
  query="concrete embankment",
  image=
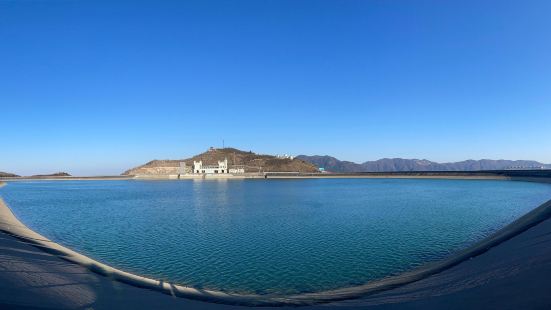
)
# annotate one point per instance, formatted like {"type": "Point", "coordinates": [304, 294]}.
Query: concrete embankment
{"type": "Point", "coordinates": [519, 175]}
{"type": "Point", "coordinates": [9, 224]}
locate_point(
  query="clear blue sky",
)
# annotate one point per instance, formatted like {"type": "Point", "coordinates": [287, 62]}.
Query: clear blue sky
{"type": "Point", "coordinates": [95, 87]}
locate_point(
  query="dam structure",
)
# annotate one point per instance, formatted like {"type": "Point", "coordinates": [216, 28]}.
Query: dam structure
{"type": "Point", "coordinates": [221, 168]}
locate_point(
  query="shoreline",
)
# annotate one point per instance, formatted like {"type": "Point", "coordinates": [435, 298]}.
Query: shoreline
{"type": "Point", "coordinates": [12, 226]}
{"type": "Point", "coordinates": [64, 178]}
{"type": "Point", "coordinates": [541, 175]}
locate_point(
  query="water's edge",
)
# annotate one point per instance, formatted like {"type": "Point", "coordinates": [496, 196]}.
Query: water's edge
{"type": "Point", "coordinates": [11, 225]}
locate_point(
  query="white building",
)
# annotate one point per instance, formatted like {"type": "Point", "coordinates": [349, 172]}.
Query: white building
{"type": "Point", "coordinates": [222, 167]}
{"type": "Point", "coordinates": [237, 169]}
{"type": "Point", "coordinates": [285, 156]}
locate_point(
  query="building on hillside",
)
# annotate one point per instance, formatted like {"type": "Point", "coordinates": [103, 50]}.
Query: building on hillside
{"type": "Point", "coordinates": [237, 169]}
{"type": "Point", "coordinates": [222, 167]}
{"type": "Point", "coordinates": [285, 156]}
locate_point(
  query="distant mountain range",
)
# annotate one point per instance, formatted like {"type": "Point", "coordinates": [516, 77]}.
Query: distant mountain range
{"type": "Point", "coordinates": [38, 176]}
{"type": "Point", "coordinates": [332, 164]}
{"type": "Point", "coordinates": [7, 175]}
{"type": "Point", "coordinates": [57, 174]}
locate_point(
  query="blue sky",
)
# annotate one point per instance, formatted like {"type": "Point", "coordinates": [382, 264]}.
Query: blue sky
{"type": "Point", "coordinates": [96, 87]}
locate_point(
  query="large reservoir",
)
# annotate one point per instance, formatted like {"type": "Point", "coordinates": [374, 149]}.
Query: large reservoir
{"type": "Point", "coordinates": [270, 236]}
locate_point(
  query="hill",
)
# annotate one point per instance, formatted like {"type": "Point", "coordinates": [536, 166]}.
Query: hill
{"type": "Point", "coordinates": [332, 164]}
{"type": "Point", "coordinates": [8, 175]}
{"type": "Point", "coordinates": [399, 164]}
{"type": "Point", "coordinates": [251, 161]}
{"type": "Point", "coordinates": [57, 174]}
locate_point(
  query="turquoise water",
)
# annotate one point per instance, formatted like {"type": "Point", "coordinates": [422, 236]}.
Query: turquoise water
{"type": "Point", "coordinates": [270, 236]}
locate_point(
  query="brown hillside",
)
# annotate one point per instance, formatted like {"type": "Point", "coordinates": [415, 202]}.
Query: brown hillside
{"type": "Point", "coordinates": [253, 163]}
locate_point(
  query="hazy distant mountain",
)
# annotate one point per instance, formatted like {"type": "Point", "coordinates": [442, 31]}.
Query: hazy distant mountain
{"type": "Point", "coordinates": [57, 174]}
{"type": "Point", "coordinates": [399, 164]}
{"type": "Point", "coordinates": [7, 175]}
{"type": "Point", "coordinates": [332, 164]}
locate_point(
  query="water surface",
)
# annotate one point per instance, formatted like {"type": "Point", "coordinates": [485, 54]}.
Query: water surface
{"type": "Point", "coordinates": [270, 236]}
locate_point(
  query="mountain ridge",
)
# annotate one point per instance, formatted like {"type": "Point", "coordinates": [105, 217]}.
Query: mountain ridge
{"type": "Point", "coordinates": [8, 175]}
{"type": "Point", "coordinates": [332, 164]}
{"type": "Point", "coordinates": [56, 174]}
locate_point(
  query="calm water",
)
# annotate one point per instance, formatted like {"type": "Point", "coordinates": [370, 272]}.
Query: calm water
{"type": "Point", "coordinates": [270, 236]}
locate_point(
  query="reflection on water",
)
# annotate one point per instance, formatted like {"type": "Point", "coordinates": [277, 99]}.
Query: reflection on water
{"type": "Point", "coordinates": [270, 236]}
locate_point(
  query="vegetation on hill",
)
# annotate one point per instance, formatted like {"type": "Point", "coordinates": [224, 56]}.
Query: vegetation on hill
{"type": "Point", "coordinates": [252, 162]}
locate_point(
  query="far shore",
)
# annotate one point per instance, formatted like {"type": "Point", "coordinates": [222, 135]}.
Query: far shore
{"type": "Point", "coordinates": [515, 175]}
{"type": "Point", "coordinates": [66, 178]}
